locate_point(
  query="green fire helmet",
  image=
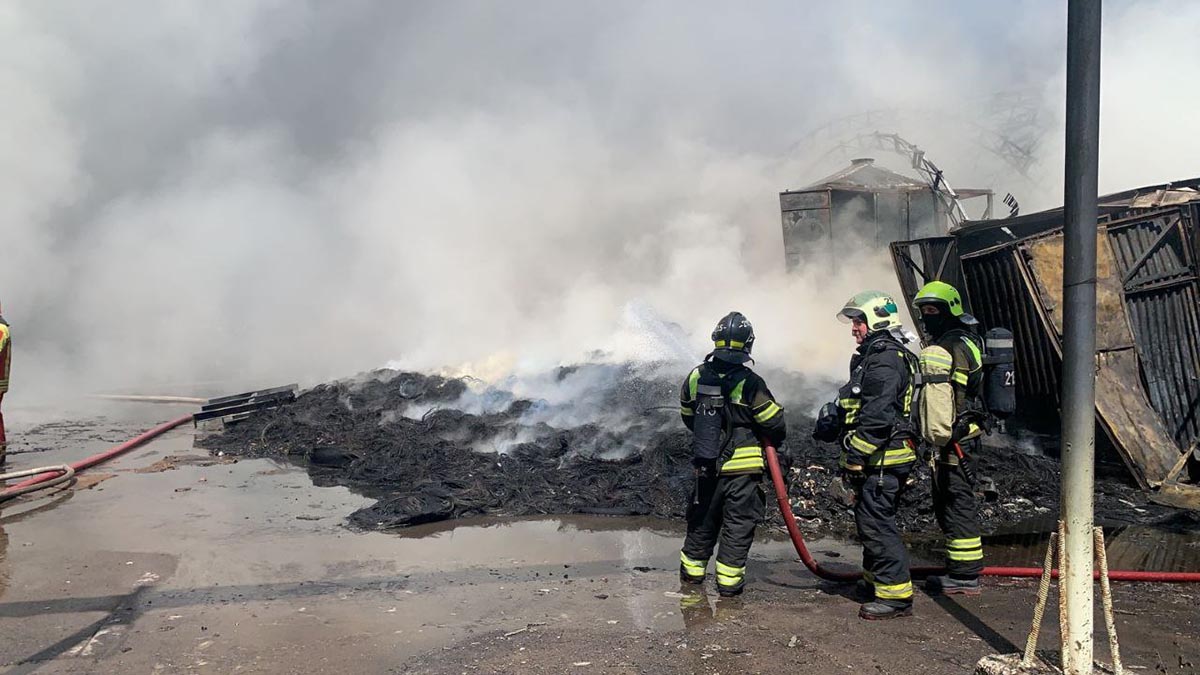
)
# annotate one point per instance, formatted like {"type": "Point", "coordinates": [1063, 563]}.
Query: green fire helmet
{"type": "Point", "coordinates": [876, 308]}
{"type": "Point", "coordinates": [942, 293]}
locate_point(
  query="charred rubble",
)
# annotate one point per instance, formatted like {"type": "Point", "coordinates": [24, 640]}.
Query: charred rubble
{"type": "Point", "coordinates": [591, 439]}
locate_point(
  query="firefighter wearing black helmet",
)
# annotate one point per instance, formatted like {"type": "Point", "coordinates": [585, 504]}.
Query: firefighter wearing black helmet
{"type": "Point", "coordinates": [949, 327]}
{"type": "Point", "coordinates": [878, 449]}
{"type": "Point", "coordinates": [728, 408]}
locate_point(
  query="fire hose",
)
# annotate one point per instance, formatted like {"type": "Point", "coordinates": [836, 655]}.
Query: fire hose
{"type": "Point", "coordinates": [57, 475]}
{"type": "Point", "coordinates": [789, 519]}
{"type": "Point", "coordinates": [49, 476]}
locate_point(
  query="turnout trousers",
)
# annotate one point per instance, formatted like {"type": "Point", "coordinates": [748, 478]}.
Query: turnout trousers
{"type": "Point", "coordinates": [3, 438]}
{"type": "Point", "coordinates": [885, 560]}
{"type": "Point", "coordinates": [724, 509]}
{"type": "Point", "coordinates": [957, 511]}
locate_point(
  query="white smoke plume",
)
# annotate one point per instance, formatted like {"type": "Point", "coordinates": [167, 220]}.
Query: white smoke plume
{"type": "Point", "coordinates": [254, 192]}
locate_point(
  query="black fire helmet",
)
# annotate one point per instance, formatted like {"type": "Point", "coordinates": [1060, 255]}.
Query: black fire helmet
{"type": "Point", "coordinates": [733, 338]}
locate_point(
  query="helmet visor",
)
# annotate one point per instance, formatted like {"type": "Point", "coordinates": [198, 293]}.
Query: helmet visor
{"type": "Point", "coordinates": [850, 314]}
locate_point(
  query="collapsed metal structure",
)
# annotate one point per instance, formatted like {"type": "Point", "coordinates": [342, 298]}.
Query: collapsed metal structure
{"type": "Point", "coordinates": [868, 204]}
{"type": "Point", "coordinates": [1148, 318]}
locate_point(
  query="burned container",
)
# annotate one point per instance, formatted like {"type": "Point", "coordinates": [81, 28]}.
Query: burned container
{"type": "Point", "coordinates": [1148, 317]}
{"type": "Point", "coordinates": [863, 205]}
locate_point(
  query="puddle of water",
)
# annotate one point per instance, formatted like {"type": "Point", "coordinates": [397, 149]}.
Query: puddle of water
{"type": "Point", "coordinates": [259, 519]}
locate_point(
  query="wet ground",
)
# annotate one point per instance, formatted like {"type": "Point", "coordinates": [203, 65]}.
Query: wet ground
{"type": "Point", "coordinates": [175, 561]}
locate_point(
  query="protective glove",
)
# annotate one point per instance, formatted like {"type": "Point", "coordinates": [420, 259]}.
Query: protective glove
{"type": "Point", "coordinates": [829, 423]}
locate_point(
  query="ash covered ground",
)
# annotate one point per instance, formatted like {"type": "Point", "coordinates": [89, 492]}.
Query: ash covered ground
{"type": "Point", "coordinates": [596, 439]}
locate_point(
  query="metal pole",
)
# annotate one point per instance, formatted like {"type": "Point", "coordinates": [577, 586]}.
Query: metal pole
{"type": "Point", "coordinates": [1079, 328]}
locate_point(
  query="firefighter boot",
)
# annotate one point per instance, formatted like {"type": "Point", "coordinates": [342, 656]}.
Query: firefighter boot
{"type": "Point", "coordinates": [950, 585]}
{"type": "Point", "coordinates": [880, 610]}
{"type": "Point", "coordinates": [864, 591]}
{"type": "Point", "coordinates": [731, 581]}
{"type": "Point", "coordinates": [691, 571]}
{"type": "Point", "coordinates": [731, 591]}
{"type": "Point", "coordinates": [688, 578]}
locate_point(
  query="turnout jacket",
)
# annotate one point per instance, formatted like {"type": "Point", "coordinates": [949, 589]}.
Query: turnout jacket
{"type": "Point", "coordinates": [752, 409]}
{"type": "Point", "coordinates": [966, 376]}
{"type": "Point", "coordinates": [877, 401]}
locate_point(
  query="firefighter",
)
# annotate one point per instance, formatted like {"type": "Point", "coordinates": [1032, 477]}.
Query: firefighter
{"type": "Point", "coordinates": [949, 327]}
{"type": "Point", "coordinates": [878, 449]}
{"type": "Point", "coordinates": [5, 367]}
{"type": "Point", "coordinates": [730, 411]}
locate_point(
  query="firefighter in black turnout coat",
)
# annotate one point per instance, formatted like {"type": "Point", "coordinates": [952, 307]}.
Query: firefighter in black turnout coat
{"type": "Point", "coordinates": [870, 420]}
{"type": "Point", "coordinates": [729, 409]}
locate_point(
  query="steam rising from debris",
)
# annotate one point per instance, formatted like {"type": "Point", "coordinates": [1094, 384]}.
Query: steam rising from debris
{"type": "Point", "coordinates": [242, 191]}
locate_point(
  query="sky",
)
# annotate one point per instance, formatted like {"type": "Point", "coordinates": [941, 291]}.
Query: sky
{"type": "Point", "coordinates": [265, 191]}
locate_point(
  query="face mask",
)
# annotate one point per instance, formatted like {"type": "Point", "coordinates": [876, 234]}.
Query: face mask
{"type": "Point", "coordinates": [935, 324]}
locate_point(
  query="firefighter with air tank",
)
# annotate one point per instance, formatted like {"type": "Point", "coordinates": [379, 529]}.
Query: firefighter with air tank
{"type": "Point", "coordinates": [959, 386]}
{"type": "Point", "coordinates": [730, 412]}
{"type": "Point", "coordinates": [953, 416]}
{"type": "Point", "coordinates": [871, 422]}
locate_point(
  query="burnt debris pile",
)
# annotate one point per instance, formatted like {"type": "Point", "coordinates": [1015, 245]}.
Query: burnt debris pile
{"type": "Point", "coordinates": [595, 439]}
{"type": "Point", "coordinates": [599, 439]}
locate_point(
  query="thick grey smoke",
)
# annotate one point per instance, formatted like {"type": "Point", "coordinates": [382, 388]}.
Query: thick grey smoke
{"type": "Point", "coordinates": [244, 191]}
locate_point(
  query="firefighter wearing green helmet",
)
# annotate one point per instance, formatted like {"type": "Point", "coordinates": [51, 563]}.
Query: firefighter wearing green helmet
{"type": "Point", "coordinates": [948, 326]}
{"type": "Point", "coordinates": [878, 449]}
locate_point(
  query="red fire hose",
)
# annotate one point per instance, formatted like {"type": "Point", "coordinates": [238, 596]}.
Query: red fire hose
{"type": "Point", "coordinates": [789, 519]}
{"type": "Point", "coordinates": [82, 464]}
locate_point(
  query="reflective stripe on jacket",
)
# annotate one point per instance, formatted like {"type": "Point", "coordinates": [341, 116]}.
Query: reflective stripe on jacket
{"type": "Point", "coordinates": [754, 414]}
{"type": "Point", "coordinates": [878, 401]}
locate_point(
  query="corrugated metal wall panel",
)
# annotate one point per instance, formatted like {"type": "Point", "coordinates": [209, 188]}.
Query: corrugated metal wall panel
{"type": "Point", "coordinates": [1162, 299]}
{"type": "Point", "coordinates": [1000, 298]}
{"type": "Point", "coordinates": [1165, 325]}
{"type": "Point", "coordinates": [1169, 260]}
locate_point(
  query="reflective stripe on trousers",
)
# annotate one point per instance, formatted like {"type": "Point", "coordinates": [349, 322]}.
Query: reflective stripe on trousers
{"type": "Point", "coordinates": [902, 591]}
{"type": "Point", "coordinates": [729, 576]}
{"type": "Point", "coordinates": [964, 550]}
{"type": "Point", "coordinates": [693, 568]}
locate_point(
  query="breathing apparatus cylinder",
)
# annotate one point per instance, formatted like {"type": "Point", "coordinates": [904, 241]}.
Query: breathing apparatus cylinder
{"type": "Point", "coordinates": [1000, 373]}
{"type": "Point", "coordinates": [709, 425]}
